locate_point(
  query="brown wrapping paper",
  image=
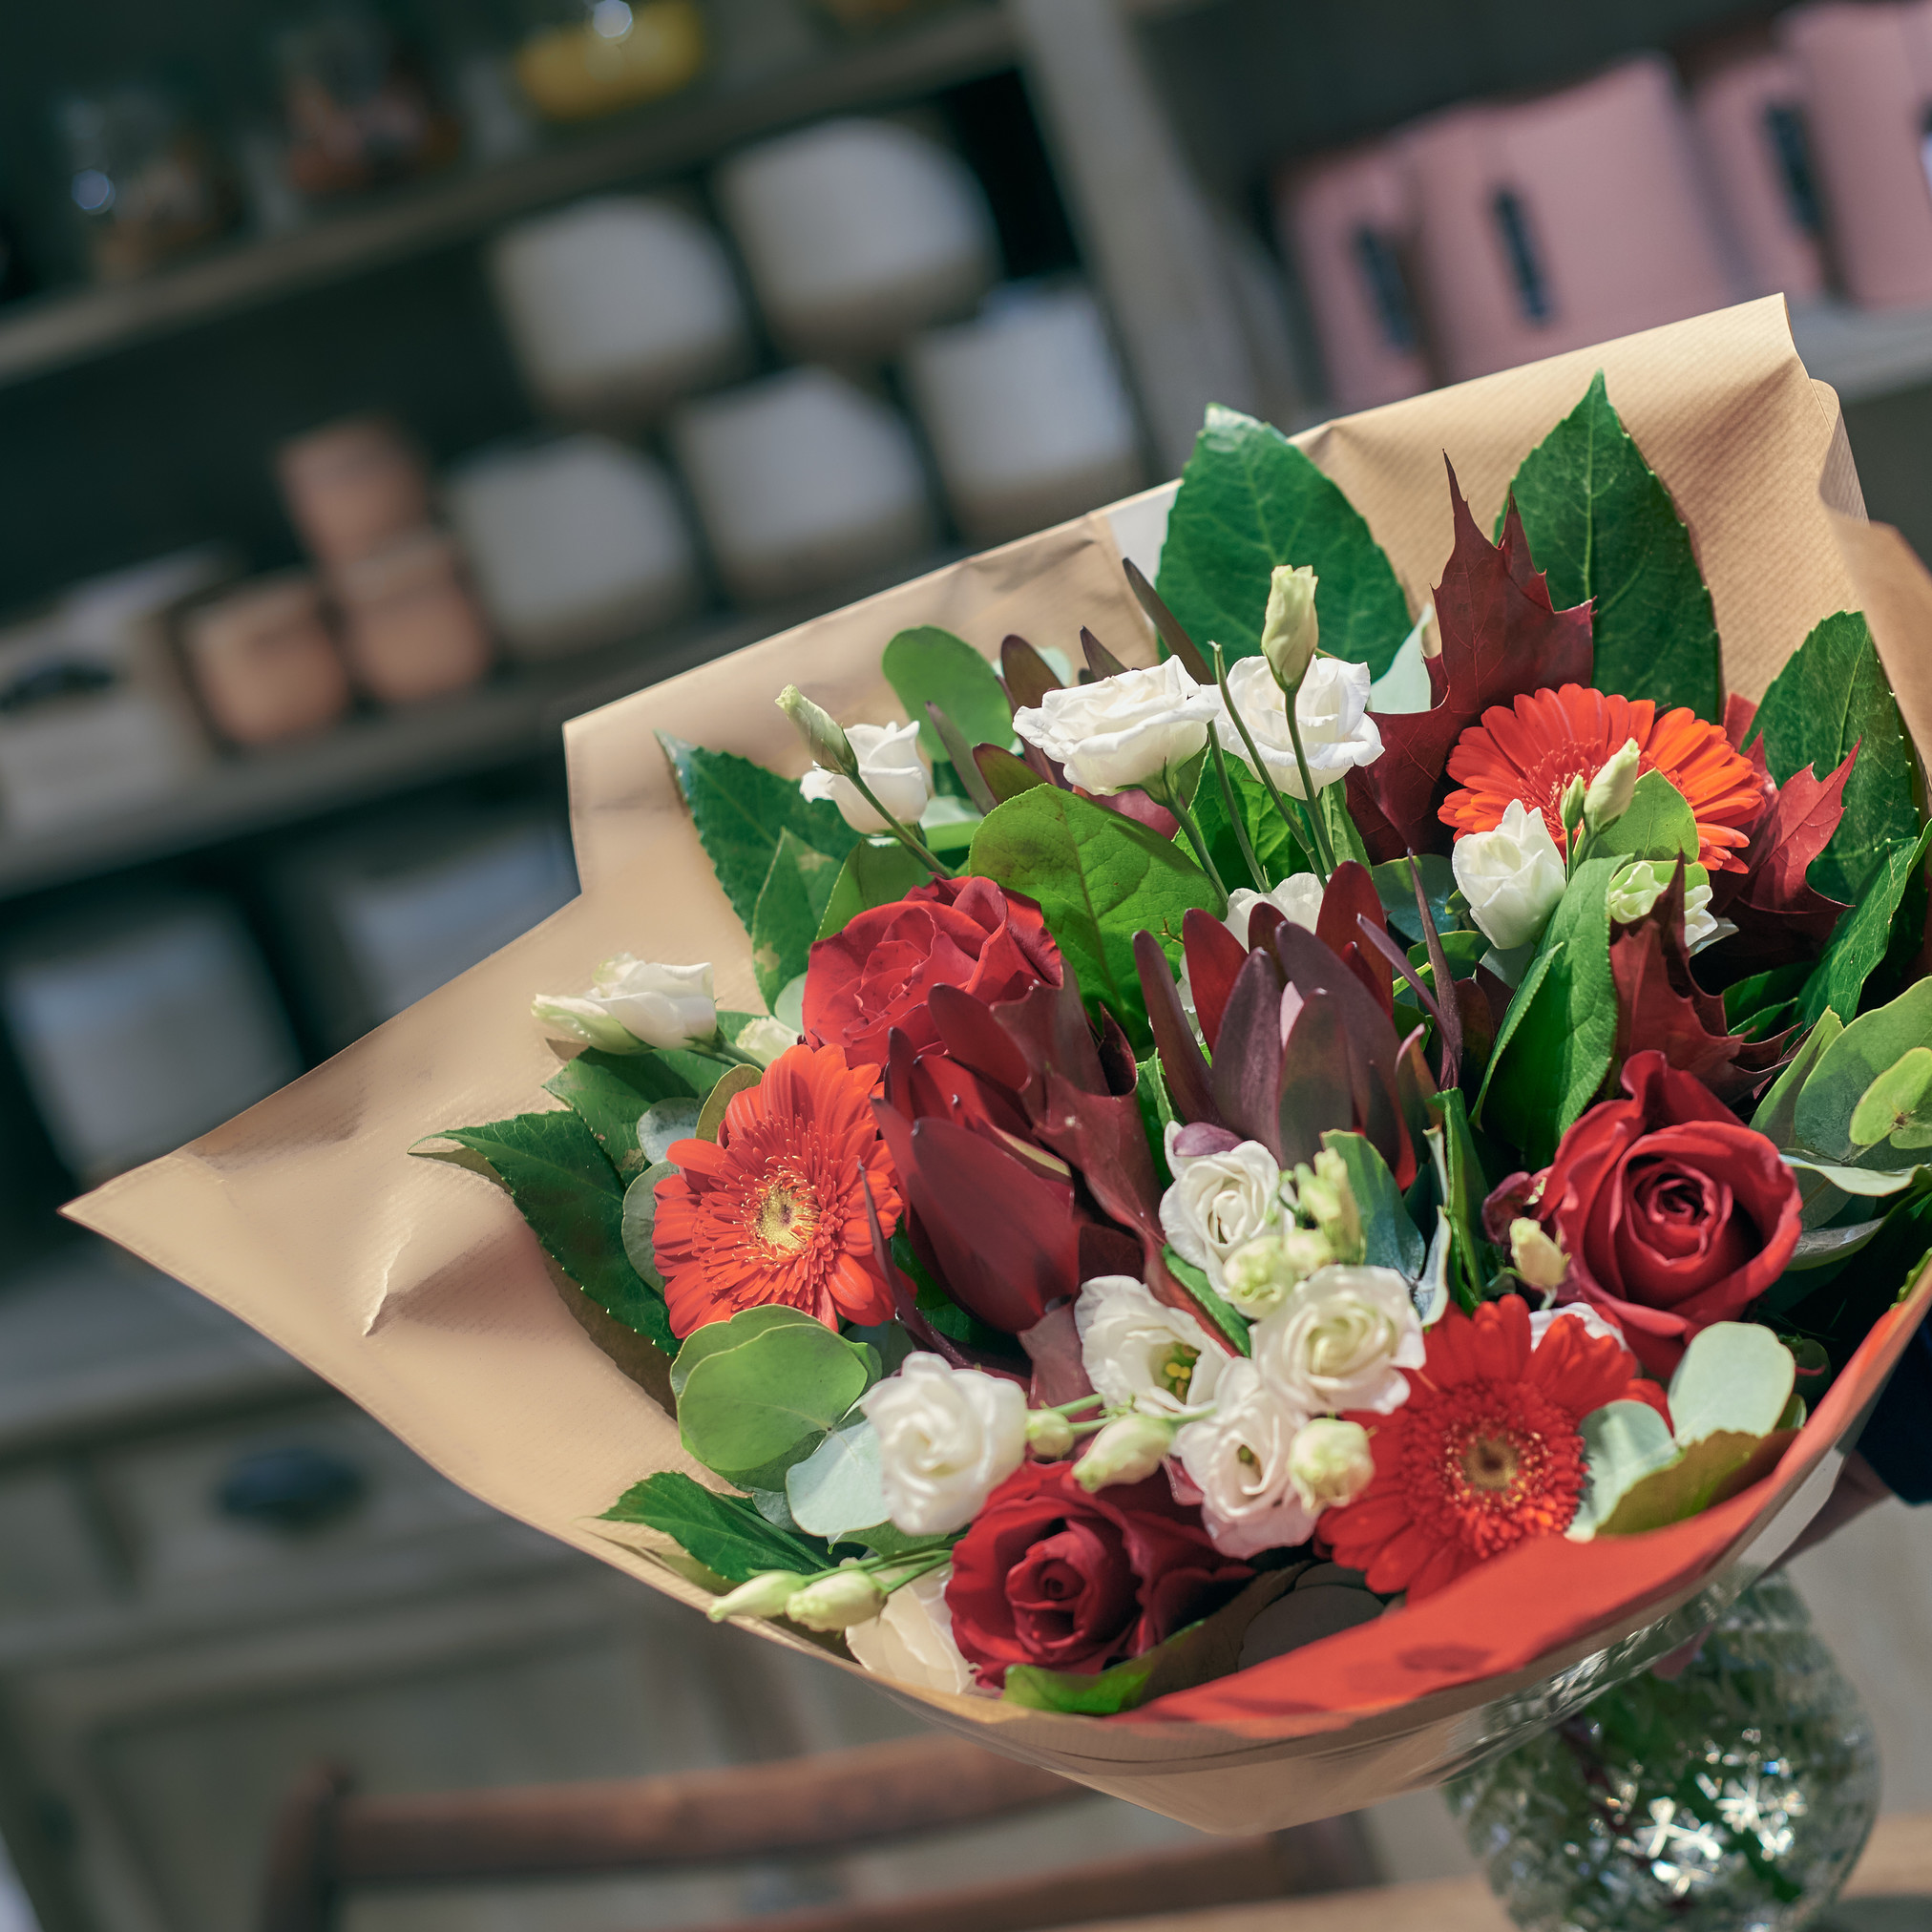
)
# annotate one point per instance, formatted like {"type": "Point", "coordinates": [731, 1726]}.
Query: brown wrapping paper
{"type": "Point", "coordinates": [417, 1289]}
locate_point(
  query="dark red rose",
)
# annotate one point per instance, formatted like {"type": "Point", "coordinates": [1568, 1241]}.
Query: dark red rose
{"type": "Point", "coordinates": [879, 971]}
{"type": "Point", "coordinates": [1673, 1214]}
{"type": "Point", "coordinates": [1050, 1575]}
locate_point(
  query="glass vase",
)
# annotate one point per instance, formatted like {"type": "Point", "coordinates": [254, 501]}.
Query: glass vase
{"type": "Point", "coordinates": [1735, 1797]}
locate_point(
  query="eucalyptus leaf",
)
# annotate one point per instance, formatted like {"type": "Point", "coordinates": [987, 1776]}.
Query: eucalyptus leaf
{"type": "Point", "coordinates": [731, 1082]}
{"type": "Point", "coordinates": [1777, 1115]}
{"type": "Point", "coordinates": [1844, 1072]}
{"type": "Point", "coordinates": [1404, 686]}
{"type": "Point", "coordinates": [640, 1220]}
{"type": "Point", "coordinates": [931, 667]}
{"type": "Point", "coordinates": [715, 1337]}
{"type": "Point", "coordinates": [1431, 1294]}
{"type": "Point", "coordinates": [1820, 1246]}
{"type": "Point", "coordinates": [1868, 1182]}
{"type": "Point", "coordinates": [610, 1092]}
{"type": "Point", "coordinates": [1602, 527]}
{"type": "Point", "coordinates": [1735, 1377]}
{"type": "Point", "coordinates": [837, 1492]}
{"type": "Point", "coordinates": [1893, 1108]}
{"type": "Point", "coordinates": [664, 1123]}
{"type": "Point", "coordinates": [1624, 1442]}
{"type": "Point", "coordinates": [1249, 501]}
{"type": "Point", "coordinates": [1710, 1469]}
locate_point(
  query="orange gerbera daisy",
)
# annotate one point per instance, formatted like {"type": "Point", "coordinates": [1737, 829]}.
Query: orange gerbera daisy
{"type": "Point", "coordinates": [1532, 749]}
{"type": "Point", "coordinates": [775, 1209]}
{"type": "Point", "coordinates": [1486, 1453]}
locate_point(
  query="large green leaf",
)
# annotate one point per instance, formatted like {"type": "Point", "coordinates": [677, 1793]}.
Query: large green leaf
{"type": "Point", "coordinates": [791, 903]}
{"type": "Point", "coordinates": [1777, 1115]}
{"type": "Point", "coordinates": [837, 1492]}
{"type": "Point", "coordinates": [1659, 824]}
{"type": "Point", "coordinates": [1734, 1375]}
{"type": "Point", "coordinates": [1556, 1057]}
{"type": "Point", "coordinates": [724, 1533]}
{"type": "Point", "coordinates": [610, 1091]}
{"type": "Point", "coordinates": [751, 1407]}
{"type": "Point", "coordinates": [565, 1186]}
{"type": "Point", "coordinates": [1392, 1238]}
{"type": "Point", "coordinates": [1249, 501]}
{"type": "Point", "coordinates": [740, 808]}
{"type": "Point", "coordinates": [1098, 878]}
{"type": "Point", "coordinates": [1601, 525]}
{"type": "Point", "coordinates": [1864, 933]}
{"type": "Point", "coordinates": [931, 667]}
{"type": "Point", "coordinates": [1841, 1073]}
{"type": "Point", "coordinates": [1830, 696]}
{"type": "Point", "coordinates": [873, 875]}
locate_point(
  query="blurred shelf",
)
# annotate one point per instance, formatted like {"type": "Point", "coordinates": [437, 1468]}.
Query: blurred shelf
{"type": "Point", "coordinates": [518, 715]}
{"type": "Point", "coordinates": [61, 329]}
{"type": "Point", "coordinates": [1864, 353]}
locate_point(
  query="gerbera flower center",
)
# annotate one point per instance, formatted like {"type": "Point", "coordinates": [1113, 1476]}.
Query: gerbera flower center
{"type": "Point", "coordinates": [786, 1216]}
{"type": "Point", "coordinates": [1491, 1463]}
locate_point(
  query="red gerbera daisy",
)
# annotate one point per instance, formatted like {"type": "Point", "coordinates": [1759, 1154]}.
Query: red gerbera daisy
{"type": "Point", "coordinates": [1530, 751]}
{"type": "Point", "coordinates": [1486, 1453]}
{"type": "Point", "coordinates": [775, 1209]}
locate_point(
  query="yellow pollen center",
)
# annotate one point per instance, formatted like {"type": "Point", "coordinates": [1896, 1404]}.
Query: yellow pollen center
{"type": "Point", "coordinates": [1490, 1462]}
{"type": "Point", "coordinates": [1177, 1372]}
{"type": "Point", "coordinates": [786, 1216]}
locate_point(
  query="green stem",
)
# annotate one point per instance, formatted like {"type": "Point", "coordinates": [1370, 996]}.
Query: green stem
{"type": "Point", "coordinates": [910, 840]}
{"type": "Point", "coordinates": [723, 1052]}
{"type": "Point", "coordinates": [1328, 854]}
{"type": "Point", "coordinates": [1078, 1402]}
{"type": "Point", "coordinates": [1169, 795]}
{"type": "Point", "coordinates": [1234, 812]}
{"type": "Point", "coordinates": [1301, 828]}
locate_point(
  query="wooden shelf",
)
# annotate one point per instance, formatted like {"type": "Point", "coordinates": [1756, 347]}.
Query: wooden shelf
{"type": "Point", "coordinates": [62, 330]}
{"type": "Point", "coordinates": [1864, 353]}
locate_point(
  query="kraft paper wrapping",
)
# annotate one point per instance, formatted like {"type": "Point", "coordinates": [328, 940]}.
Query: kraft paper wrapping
{"type": "Point", "coordinates": [416, 1289]}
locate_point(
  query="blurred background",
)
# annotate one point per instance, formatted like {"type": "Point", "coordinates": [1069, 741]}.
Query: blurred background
{"type": "Point", "coordinates": [381, 385]}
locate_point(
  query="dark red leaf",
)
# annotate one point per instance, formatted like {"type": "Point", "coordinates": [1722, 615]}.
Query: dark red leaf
{"type": "Point", "coordinates": [1101, 660]}
{"type": "Point", "coordinates": [1028, 676]}
{"type": "Point", "coordinates": [1007, 776]}
{"type": "Point", "coordinates": [1316, 1084]}
{"type": "Point", "coordinates": [1777, 914]}
{"type": "Point", "coordinates": [1739, 714]}
{"type": "Point", "coordinates": [1163, 621]}
{"type": "Point", "coordinates": [1181, 1062]}
{"type": "Point", "coordinates": [1501, 637]}
{"type": "Point", "coordinates": [1248, 1061]}
{"type": "Point", "coordinates": [1351, 897]}
{"type": "Point", "coordinates": [1215, 956]}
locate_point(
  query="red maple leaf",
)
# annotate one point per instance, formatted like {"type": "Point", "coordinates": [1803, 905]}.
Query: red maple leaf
{"type": "Point", "coordinates": [1500, 637]}
{"type": "Point", "coordinates": [1660, 1005]}
{"type": "Point", "coordinates": [1777, 914]}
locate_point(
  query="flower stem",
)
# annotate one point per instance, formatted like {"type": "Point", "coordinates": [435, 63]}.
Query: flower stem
{"type": "Point", "coordinates": [1234, 815]}
{"type": "Point", "coordinates": [1078, 1402]}
{"type": "Point", "coordinates": [1302, 828]}
{"type": "Point", "coordinates": [1328, 854]}
{"type": "Point", "coordinates": [907, 839]}
{"type": "Point", "coordinates": [721, 1049]}
{"type": "Point", "coordinates": [1170, 796]}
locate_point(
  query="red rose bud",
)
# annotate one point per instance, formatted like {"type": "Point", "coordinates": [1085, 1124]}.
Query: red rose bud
{"type": "Point", "coordinates": [878, 972]}
{"type": "Point", "coordinates": [1673, 1215]}
{"type": "Point", "coordinates": [1050, 1575]}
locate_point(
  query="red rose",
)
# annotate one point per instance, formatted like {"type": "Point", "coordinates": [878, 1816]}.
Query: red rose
{"type": "Point", "coordinates": [1674, 1214]}
{"type": "Point", "coordinates": [1050, 1575]}
{"type": "Point", "coordinates": [877, 972]}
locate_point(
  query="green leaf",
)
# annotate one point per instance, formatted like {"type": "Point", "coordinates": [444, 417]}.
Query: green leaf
{"type": "Point", "coordinates": [1864, 933]}
{"type": "Point", "coordinates": [1842, 1072]}
{"type": "Point", "coordinates": [1624, 1442]}
{"type": "Point", "coordinates": [1332, 801]}
{"type": "Point", "coordinates": [1398, 897]}
{"type": "Point", "coordinates": [873, 876]}
{"type": "Point", "coordinates": [1514, 1014]}
{"type": "Point", "coordinates": [1777, 1115]}
{"type": "Point", "coordinates": [1735, 1377]}
{"type": "Point", "coordinates": [716, 1336]}
{"type": "Point", "coordinates": [790, 904]}
{"type": "Point", "coordinates": [1392, 1238]}
{"type": "Point", "coordinates": [1831, 695]}
{"type": "Point", "coordinates": [638, 1224]}
{"type": "Point", "coordinates": [1157, 1111]}
{"type": "Point", "coordinates": [1467, 1191]}
{"type": "Point", "coordinates": [837, 1492]}
{"type": "Point", "coordinates": [1098, 879]}
{"type": "Point", "coordinates": [1759, 1001]}
{"type": "Point", "coordinates": [740, 808]}
{"type": "Point", "coordinates": [1220, 1314]}
{"type": "Point", "coordinates": [1705, 1473]}
{"type": "Point", "coordinates": [564, 1185]}
{"type": "Point", "coordinates": [1249, 501]}
{"type": "Point", "coordinates": [1659, 824]}
{"type": "Point", "coordinates": [1893, 1109]}
{"type": "Point", "coordinates": [931, 667]}
{"type": "Point", "coordinates": [1601, 525]}
{"type": "Point", "coordinates": [724, 1533]}
{"type": "Point", "coordinates": [724, 1089]}
{"type": "Point", "coordinates": [610, 1091]}
{"type": "Point", "coordinates": [751, 1407]}
{"type": "Point", "coordinates": [1277, 850]}
{"type": "Point", "coordinates": [1556, 1057]}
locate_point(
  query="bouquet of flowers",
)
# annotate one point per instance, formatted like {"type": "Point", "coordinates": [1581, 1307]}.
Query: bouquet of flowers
{"type": "Point", "coordinates": [1306, 1169]}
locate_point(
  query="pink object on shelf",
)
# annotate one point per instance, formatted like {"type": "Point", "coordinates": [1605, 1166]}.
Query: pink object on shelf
{"type": "Point", "coordinates": [263, 660]}
{"type": "Point", "coordinates": [1868, 98]}
{"type": "Point", "coordinates": [410, 628]}
{"type": "Point", "coordinates": [353, 489]}
{"type": "Point", "coordinates": [1750, 115]}
{"type": "Point", "coordinates": [1348, 221]}
{"type": "Point", "coordinates": [1553, 224]}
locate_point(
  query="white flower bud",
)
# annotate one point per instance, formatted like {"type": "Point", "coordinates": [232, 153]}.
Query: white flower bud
{"type": "Point", "coordinates": [764, 1596]}
{"type": "Point", "coordinates": [1611, 789]}
{"type": "Point", "coordinates": [835, 1602]}
{"type": "Point", "coordinates": [1330, 1463]}
{"type": "Point", "coordinates": [1569, 809]}
{"type": "Point", "coordinates": [1049, 1434]}
{"type": "Point", "coordinates": [824, 736]}
{"type": "Point", "coordinates": [947, 1437]}
{"type": "Point", "coordinates": [1128, 1450]}
{"type": "Point", "coordinates": [1323, 1194]}
{"type": "Point", "coordinates": [886, 757]}
{"type": "Point", "coordinates": [634, 1004]}
{"type": "Point", "coordinates": [1259, 1278]}
{"type": "Point", "coordinates": [1122, 731]}
{"type": "Point", "coordinates": [765, 1038]}
{"type": "Point", "coordinates": [1512, 876]}
{"type": "Point", "coordinates": [1535, 1256]}
{"type": "Point", "coordinates": [1637, 888]}
{"type": "Point", "coordinates": [1290, 630]}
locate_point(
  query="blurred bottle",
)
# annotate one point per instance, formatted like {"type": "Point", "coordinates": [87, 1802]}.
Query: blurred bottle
{"type": "Point", "coordinates": [582, 59]}
{"type": "Point", "coordinates": [358, 110]}
{"type": "Point", "coordinates": [143, 178]}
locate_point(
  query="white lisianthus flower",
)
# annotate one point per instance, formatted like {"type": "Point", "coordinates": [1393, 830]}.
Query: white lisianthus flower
{"type": "Point", "coordinates": [1297, 899]}
{"type": "Point", "coordinates": [889, 762]}
{"type": "Point", "coordinates": [1595, 1323]}
{"type": "Point", "coordinates": [912, 1639]}
{"type": "Point", "coordinates": [1512, 878]}
{"type": "Point", "coordinates": [1124, 730]}
{"type": "Point", "coordinates": [1140, 1354]}
{"type": "Point", "coordinates": [1258, 1278]}
{"type": "Point", "coordinates": [1239, 1460]}
{"type": "Point", "coordinates": [1219, 1202]}
{"type": "Point", "coordinates": [1331, 1463]}
{"type": "Point", "coordinates": [634, 1004]}
{"type": "Point", "coordinates": [1331, 708]}
{"type": "Point", "coordinates": [1341, 1341]}
{"type": "Point", "coordinates": [1640, 884]}
{"type": "Point", "coordinates": [947, 1437]}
